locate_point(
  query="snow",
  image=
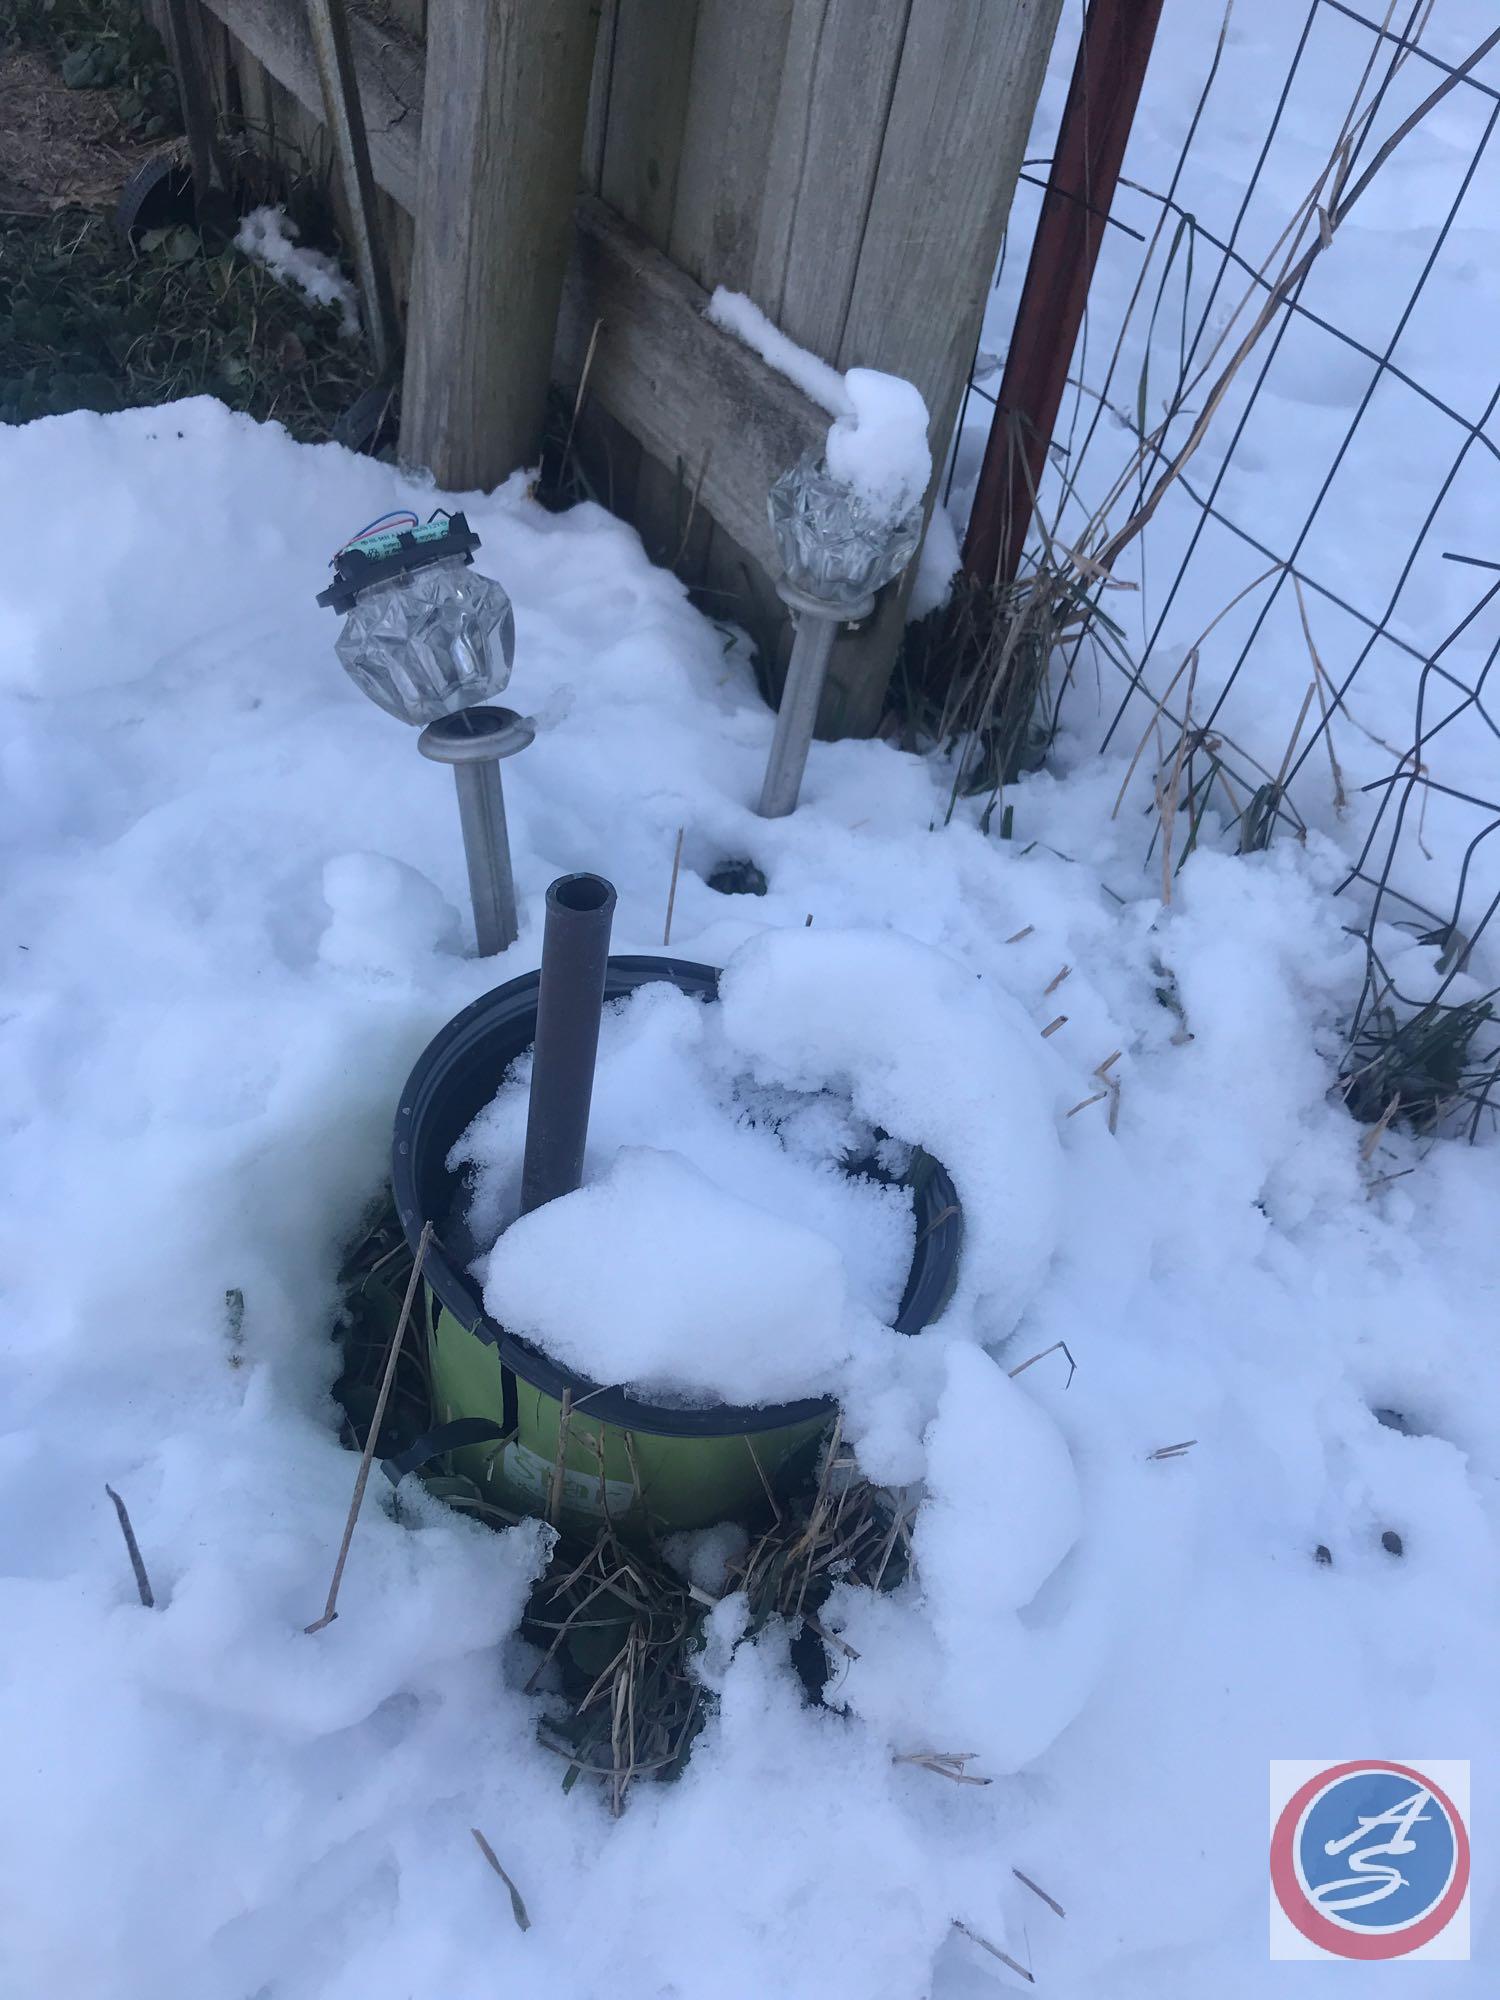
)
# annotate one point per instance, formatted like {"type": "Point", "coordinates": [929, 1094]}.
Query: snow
{"type": "Point", "coordinates": [668, 1078]}
{"type": "Point", "coordinates": [740, 315]}
{"type": "Point", "coordinates": [270, 236]}
{"type": "Point", "coordinates": [657, 1278]}
{"type": "Point", "coordinates": [382, 915]}
{"type": "Point", "coordinates": [880, 448]}
{"type": "Point", "coordinates": [227, 932]}
{"type": "Point", "coordinates": [877, 443]}
{"type": "Point", "coordinates": [929, 1054]}
{"type": "Point", "coordinates": [1002, 1510]}
{"type": "Point", "coordinates": [937, 564]}
{"type": "Point", "coordinates": [736, 1143]}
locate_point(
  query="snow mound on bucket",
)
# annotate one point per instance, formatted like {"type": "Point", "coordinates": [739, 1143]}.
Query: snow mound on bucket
{"type": "Point", "coordinates": [666, 1078]}
{"type": "Point", "coordinates": [661, 1274]}
{"type": "Point", "coordinates": [657, 1277]}
{"type": "Point", "coordinates": [935, 1058]}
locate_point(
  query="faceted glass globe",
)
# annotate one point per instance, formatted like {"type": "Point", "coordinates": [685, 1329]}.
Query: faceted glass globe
{"type": "Point", "coordinates": [832, 544]}
{"type": "Point", "coordinates": [431, 642]}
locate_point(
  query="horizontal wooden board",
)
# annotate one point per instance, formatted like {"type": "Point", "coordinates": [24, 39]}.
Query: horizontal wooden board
{"type": "Point", "coordinates": [388, 63]}
{"type": "Point", "coordinates": [669, 376]}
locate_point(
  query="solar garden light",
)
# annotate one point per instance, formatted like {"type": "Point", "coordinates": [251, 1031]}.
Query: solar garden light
{"type": "Point", "coordinates": [836, 552]}
{"type": "Point", "coordinates": [430, 640]}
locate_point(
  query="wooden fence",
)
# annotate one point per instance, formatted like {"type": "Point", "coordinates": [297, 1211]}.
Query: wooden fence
{"type": "Point", "coordinates": [847, 163]}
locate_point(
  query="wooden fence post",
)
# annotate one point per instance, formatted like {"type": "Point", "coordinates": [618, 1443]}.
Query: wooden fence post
{"type": "Point", "coordinates": [343, 114]}
{"type": "Point", "coordinates": [503, 112]}
{"type": "Point", "coordinates": [197, 103]}
{"type": "Point", "coordinates": [965, 89]}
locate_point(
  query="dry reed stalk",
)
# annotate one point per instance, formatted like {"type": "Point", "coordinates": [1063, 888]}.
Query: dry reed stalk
{"type": "Point", "coordinates": [944, 1764]}
{"type": "Point", "coordinates": [555, 1485]}
{"type": "Point", "coordinates": [393, 1352]}
{"type": "Point", "coordinates": [1058, 1346]}
{"type": "Point", "coordinates": [133, 1550]}
{"type": "Point", "coordinates": [1291, 748]}
{"type": "Point", "coordinates": [1292, 275]}
{"type": "Point", "coordinates": [1320, 681]}
{"type": "Point", "coordinates": [1036, 1890]}
{"type": "Point", "coordinates": [583, 388]}
{"type": "Point", "coordinates": [1291, 230]}
{"type": "Point", "coordinates": [666, 931]}
{"type": "Point", "coordinates": [1168, 813]}
{"type": "Point", "coordinates": [1379, 1129]}
{"type": "Point", "coordinates": [1190, 658]}
{"type": "Point", "coordinates": [517, 1906]}
{"type": "Point", "coordinates": [898, 1519]}
{"type": "Point", "coordinates": [995, 1952]}
{"type": "Point", "coordinates": [687, 526]}
{"type": "Point", "coordinates": [819, 1506]}
{"type": "Point", "coordinates": [1084, 1103]}
{"type": "Point", "coordinates": [760, 1473]}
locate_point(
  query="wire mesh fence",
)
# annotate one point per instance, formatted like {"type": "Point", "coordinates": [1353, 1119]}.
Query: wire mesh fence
{"type": "Point", "coordinates": [1278, 456]}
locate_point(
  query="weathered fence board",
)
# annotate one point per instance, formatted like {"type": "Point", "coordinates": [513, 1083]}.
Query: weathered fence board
{"type": "Point", "coordinates": [504, 104]}
{"type": "Point", "coordinates": [823, 163]}
{"type": "Point", "coordinates": [389, 66]}
{"type": "Point", "coordinates": [592, 166]}
{"type": "Point", "coordinates": [666, 373]}
{"type": "Point", "coordinates": [739, 53]}
{"type": "Point", "coordinates": [933, 232]}
{"type": "Point", "coordinates": [643, 107]}
{"type": "Point", "coordinates": [646, 108]}
{"type": "Point", "coordinates": [344, 121]}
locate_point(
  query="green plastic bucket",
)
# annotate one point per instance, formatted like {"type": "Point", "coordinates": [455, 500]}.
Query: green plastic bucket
{"type": "Point", "coordinates": [647, 1467]}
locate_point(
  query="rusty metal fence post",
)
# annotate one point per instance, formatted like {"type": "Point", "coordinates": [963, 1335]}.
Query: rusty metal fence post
{"type": "Point", "coordinates": [1096, 121]}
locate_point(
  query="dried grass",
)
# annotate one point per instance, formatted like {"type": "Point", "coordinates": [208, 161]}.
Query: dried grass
{"type": "Point", "coordinates": [621, 1630]}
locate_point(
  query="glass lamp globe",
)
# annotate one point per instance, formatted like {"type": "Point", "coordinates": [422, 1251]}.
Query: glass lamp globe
{"type": "Point", "coordinates": [833, 545]}
{"type": "Point", "coordinates": [424, 634]}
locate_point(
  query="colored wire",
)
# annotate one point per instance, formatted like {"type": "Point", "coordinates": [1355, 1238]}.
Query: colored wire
{"type": "Point", "coordinates": [404, 515]}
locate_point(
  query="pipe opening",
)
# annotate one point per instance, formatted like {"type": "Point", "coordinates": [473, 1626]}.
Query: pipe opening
{"type": "Point", "coordinates": [581, 894]}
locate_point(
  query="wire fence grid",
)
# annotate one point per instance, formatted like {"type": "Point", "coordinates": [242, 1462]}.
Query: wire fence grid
{"type": "Point", "coordinates": [1424, 1051]}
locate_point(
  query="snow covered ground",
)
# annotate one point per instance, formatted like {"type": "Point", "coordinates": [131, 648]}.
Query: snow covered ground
{"type": "Point", "coordinates": [232, 916]}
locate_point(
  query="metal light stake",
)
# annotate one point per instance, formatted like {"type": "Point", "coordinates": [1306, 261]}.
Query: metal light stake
{"type": "Point", "coordinates": [430, 640]}
{"type": "Point", "coordinates": [474, 741]}
{"type": "Point", "coordinates": [837, 552]}
{"type": "Point", "coordinates": [815, 629]}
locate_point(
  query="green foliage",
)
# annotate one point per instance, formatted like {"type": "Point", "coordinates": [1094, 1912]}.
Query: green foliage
{"type": "Point", "coordinates": [87, 322]}
{"type": "Point", "coordinates": [102, 45]}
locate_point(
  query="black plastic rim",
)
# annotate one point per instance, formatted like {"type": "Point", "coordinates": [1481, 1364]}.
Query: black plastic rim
{"type": "Point", "coordinates": [158, 193]}
{"type": "Point", "coordinates": [459, 1072]}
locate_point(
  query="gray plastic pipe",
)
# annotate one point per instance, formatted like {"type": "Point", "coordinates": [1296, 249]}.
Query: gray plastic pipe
{"type": "Point", "coordinates": [569, 1001]}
